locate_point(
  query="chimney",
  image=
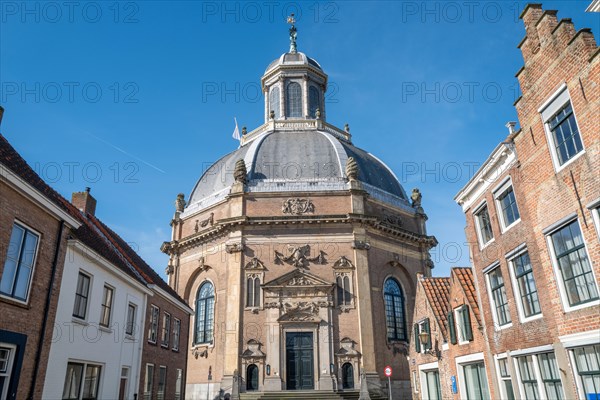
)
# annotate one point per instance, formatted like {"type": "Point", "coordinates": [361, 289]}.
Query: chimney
{"type": "Point", "coordinates": [84, 201]}
{"type": "Point", "coordinates": [1, 114]}
{"type": "Point", "coordinates": [511, 127]}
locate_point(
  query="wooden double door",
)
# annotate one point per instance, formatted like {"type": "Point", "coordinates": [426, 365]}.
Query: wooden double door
{"type": "Point", "coordinates": [299, 355]}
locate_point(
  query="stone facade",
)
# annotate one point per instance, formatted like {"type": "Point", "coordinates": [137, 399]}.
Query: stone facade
{"type": "Point", "coordinates": [541, 319]}
{"type": "Point", "coordinates": [294, 261]}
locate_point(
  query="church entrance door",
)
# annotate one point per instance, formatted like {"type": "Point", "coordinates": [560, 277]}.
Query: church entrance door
{"type": "Point", "coordinates": [299, 361]}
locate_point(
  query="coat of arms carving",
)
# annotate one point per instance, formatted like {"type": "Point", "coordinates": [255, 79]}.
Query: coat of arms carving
{"type": "Point", "coordinates": [298, 206]}
{"type": "Point", "coordinates": [299, 257]}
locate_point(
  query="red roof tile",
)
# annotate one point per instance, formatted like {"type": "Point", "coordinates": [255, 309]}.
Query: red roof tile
{"type": "Point", "coordinates": [437, 292]}
{"type": "Point", "coordinates": [465, 277]}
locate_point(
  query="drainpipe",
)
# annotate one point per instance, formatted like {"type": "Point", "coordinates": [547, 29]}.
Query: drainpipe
{"type": "Point", "coordinates": [38, 355]}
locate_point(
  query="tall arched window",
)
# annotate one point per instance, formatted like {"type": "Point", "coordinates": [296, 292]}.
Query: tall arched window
{"type": "Point", "coordinates": [394, 310]}
{"type": "Point", "coordinates": [253, 291]}
{"type": "Point", "coordinates": [205, 313]}
{"type": "Point", "coordinates": [274, 101]}
{"type": "Point", "coordinates": [294, 100]}
{"type": "Point", "coordinates": [313, 101]}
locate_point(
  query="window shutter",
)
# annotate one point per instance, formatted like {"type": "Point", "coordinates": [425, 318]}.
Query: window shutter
{"type": "Point", "coordinates": [426, 329]}
{"type": "Point", "coordinates": [467, 321]}
{"type": "Point", "coordinates": [451, 327]}
{"type": "Point", "coordinates": [417, 341]}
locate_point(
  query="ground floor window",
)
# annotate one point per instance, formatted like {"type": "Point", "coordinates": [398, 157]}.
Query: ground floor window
{"type": "Point", "coordinates": [476, 381]}
{"type": "Point", "coordinates": [81, 381]}
{"type": "Point", "coordinates": [505, 380]}
{"type": "Point", "coordinates": [162, 383]}
{"type": "Point", "coordinates": [7, 356]}
{"type": "Point", "coordinates": [432, 379]}
{"type": "Point", "coordinates": [178, 384]}
{"type": "Point", "coordinates": [539, 368]}
{"type": "Point", "coordinates": [587, 363]}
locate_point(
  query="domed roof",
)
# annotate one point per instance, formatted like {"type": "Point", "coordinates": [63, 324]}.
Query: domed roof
{"type": "Point", "coordinates": [280, 161]}
{"type": "Point", "coordinates": [293, 59]}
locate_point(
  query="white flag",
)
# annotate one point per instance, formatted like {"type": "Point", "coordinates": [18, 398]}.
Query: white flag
{"type": "Point", "coordinates": [236, 131]}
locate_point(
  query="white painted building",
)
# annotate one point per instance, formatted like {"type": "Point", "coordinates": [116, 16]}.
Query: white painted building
{"type": "Point", "coordinates": [98, 336]}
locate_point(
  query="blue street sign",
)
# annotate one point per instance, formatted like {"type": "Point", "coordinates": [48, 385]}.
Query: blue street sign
{"type": "Point", "coordinates": [453, 380]}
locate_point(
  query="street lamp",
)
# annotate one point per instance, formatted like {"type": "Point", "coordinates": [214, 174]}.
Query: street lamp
{"type": "Point", "coordinates": [425, 339]}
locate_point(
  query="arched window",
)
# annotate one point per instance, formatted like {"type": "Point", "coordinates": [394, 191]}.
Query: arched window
{"type": "Point", "coordinates": [252, 377]}
{"type": "Point", "coordinates": [313, 101]}
{"type": "Point", "coordinates": [274, 102]}
{"type": "Point", "coordinates": [344, 293]}
{"type": "Point", "coordinates": [253, 291]}
{"type": "Point", "coordinates": [205, 313]}
{"type": "Point", "coordinates": [347, 376]}
{"type": "Point", "coordinates": [394, 310]}
{"type": "Point", "coordinates": [294, 100]}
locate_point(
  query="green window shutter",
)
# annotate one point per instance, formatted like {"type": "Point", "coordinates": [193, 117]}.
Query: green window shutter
{"type": "Point", "coordinates": [426, 329]}
{"type": "Point", "coordinates": [467, 321]}
{"type": "Point", "coordinates": [417, 341]}
{"type": "Point", "coordinates": [451, 327]}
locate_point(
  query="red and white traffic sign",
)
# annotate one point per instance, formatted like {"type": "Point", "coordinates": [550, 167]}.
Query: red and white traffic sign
{"type": "Point", "coordinates": [388, 371]}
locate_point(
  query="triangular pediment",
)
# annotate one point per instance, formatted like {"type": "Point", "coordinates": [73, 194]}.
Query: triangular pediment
{"type": "Point", "coordinates": [297, 278]}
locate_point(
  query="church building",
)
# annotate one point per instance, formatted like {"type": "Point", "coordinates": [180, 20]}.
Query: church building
{"type": "Point", "coordinates": [299, 254]}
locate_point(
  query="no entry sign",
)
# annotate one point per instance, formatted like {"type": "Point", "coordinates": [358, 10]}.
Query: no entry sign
{"type": "Point", "coordinates": [388, 371]}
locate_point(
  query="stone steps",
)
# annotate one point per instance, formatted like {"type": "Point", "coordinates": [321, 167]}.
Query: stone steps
{"type": "Point", "coordinates": [305, 395]}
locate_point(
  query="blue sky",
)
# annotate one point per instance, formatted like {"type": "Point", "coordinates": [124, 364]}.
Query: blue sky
{"type": "Point", "coordinates": [136, 99]}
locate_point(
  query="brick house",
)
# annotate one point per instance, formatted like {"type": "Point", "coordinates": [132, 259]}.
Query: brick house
{"type": "Point", "coordinates": [34, 225]}
{"type": "Point", "coordinates": [533, 225]}
{"type": "Point", "coordinates": [84, 305]}
{"type": "Point", "coordinates": [449, 361]}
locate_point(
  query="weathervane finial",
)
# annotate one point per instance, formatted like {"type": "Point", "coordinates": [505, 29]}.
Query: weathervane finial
{"type": "Point", "coordinates": [293, 32]}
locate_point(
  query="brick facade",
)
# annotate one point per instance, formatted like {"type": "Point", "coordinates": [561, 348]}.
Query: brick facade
{"type": "Point", "coordinates": [562, 65]}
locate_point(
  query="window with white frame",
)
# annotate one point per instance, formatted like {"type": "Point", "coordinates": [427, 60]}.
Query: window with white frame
{"type": "Point", "coordinates": [505, 380]}
{"type": "Point", "coordinates": [130, 323]}
{"type": "Point", "coordinates": [596, 216]}
{"type": "Point", "coordinates": [82, 293]}
{"type": "Point", "coordinates": [19, 263]}
{"type": "Point", "coordinates": [81, 381]}
{"type": "Point", "coordinates": [149, 381]}
{"type": "Point", "coordinates": [166, 330]}
{"type": "Point", "coordinates": [162, 383]}
{"type": "Point", "coordinates": [106, 307]}
{"type": "Point", "coordinates": [572, 261]}
{"type": "Point", "coordinates": [463, 324]}
{"type": "Point", "coordinates": [564, 139]}
{"type": "Point", "coordinates": [431, 384]}
{"type": "Point", "coordinates": [475, 379]}
{"type": "Point", "coordinates": [587, 366]}
{"type": "Point", "coordinates": [483, 225]}
{"type": "Point", "coordinates": [176, 333]}
{"type": "Point", "coordinates": [539, 377]}
{"type": "Point", "coordinates": [528, 303]}
{"type": "Point", "coordinates": [178, 384]}
{"type": "Point", "coordinates": [506, 204]}
{"type": "Point", "coordinates": [153, 329]}
{"type": "Point", "coordinates": [499, 297]}
{"type": "Point", "coordinates": [7, 357]}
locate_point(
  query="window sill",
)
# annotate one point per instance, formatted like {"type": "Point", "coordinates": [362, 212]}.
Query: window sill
{"type": "Point", "coordinates": [152, 342]}
{"type": "Point", "coordinates": [524, 320]}
{"type": "Point", "coordinates": [165, 346]}
{"type": "Point", "coordinates": [581, 306]}
{"type": "Point", "coordinates": [483, 246]}
{"type": "Point", "coordinates": [14, 302]}
{"type": "Point", "coordinates": [105, 329]}
{"type": "Point", "coordinates": [175, 350]}
{"type": "Point", "coordinates": [79, 321]}
{"type": "Point", "coordinates": [502, 327]}
{"type": "Point", "coordinates": [559, 168]}
{"type": "Point", "coordinates": [516, 222]}
{"type": "Point", "coordinates": [130, 336]}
